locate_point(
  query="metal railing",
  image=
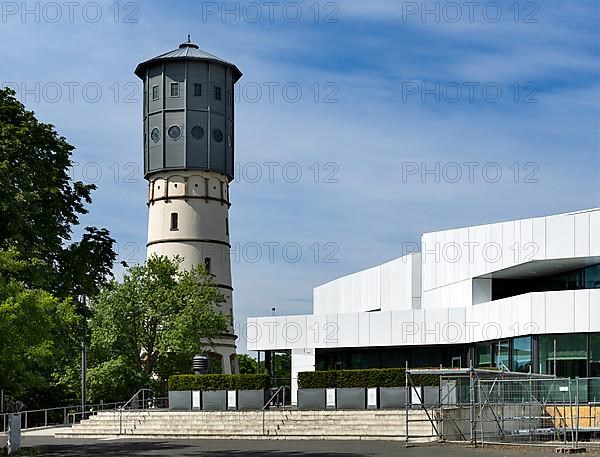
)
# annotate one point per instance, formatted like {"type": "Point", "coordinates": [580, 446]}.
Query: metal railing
{"type": "Point", "coordinates": [53, 417]}
{"type": "Point", "coordinates": [278, 399]}
{"type": "Point", "coordinates": [135, 398]}
{"type": "Point", "coordinates": [147, 402]}
{"type": "Point", "coordinates": [69, 415]}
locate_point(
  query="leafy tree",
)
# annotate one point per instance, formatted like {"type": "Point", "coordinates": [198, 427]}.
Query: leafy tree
{"type": "Point", "coordinates": [282, 366]}
{"type": "Point", "coordinates": [36, 336]}
{"type": "Point", "coordinates": [115, 380]}
{"type": "Point", "coordinates": [40, 204]}
{"type": "Point", "coordinates": [247, 364]}
{"type": "Point", "coordinates": [41, 267]}
{"type": "Point", "coordinates": [150, 326]}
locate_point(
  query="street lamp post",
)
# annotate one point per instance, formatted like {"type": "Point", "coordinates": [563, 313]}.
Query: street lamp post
{"type": "Point", "coordinates": [83, 378]}
{"type": "Point", "coordinates": [83, 301]}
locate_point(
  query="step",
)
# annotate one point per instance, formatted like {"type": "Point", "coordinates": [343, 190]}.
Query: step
{"type": "Point", "coordinates": [254, 437]}
{"type": "Point", "coordinates": [286, 424]}
{"type": "Point", "coordinates": [217, 427]}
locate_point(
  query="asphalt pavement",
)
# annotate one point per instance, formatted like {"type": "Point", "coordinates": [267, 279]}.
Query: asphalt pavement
{"type": "Point", "coordinates": [51, 447]}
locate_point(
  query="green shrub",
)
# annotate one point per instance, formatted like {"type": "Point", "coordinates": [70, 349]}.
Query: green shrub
{"type": "Point", "coordinates": [384, 377]}
{"type": "Point", "coordinates": [426, 380]}
{"type": "Point", "coordinates": [218, 382]}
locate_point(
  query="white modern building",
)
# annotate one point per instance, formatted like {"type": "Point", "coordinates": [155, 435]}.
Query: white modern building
{"type": "Point", "coordinates": [522, 295]}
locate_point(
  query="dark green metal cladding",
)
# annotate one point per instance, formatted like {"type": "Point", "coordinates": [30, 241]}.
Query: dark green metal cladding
{"type": "Point", "coordinates": [189, 111]}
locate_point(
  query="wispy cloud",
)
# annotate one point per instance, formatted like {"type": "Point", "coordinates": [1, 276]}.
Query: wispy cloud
{"type": "Point", "coordinates": [370, 133]}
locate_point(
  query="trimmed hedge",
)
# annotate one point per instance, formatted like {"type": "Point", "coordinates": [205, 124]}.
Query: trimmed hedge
{"type": "Point", "coordinates": [218, 382]}
{"type": "Point", "coordinates": [376, 377]}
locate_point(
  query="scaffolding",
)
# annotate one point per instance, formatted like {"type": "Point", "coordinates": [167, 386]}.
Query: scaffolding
{"type": "Point", "coordinates": [485, 406]}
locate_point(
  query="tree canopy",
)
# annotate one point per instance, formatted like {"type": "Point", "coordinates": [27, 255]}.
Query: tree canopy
{"type": "Point", "coordinates": [150, 325]}
{"type": "Point", "coordinates": [282, 365]}
{"type": "Point", "coordinates": [141, 329]}
{"type": "Point", "coordinates": [43, 269]}
{"type": "Point", "coordinates": [247, 364]}
{"type": "Point", "coordinates": [40, 205]}
{"type": "Point", "coordinates": [38, 333]}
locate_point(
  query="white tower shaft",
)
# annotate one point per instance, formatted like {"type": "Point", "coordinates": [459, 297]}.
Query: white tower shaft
{"type": "Point", "coordinates": [188, 216]}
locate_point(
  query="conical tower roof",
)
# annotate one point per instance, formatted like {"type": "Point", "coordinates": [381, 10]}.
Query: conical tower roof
{"type": "Point", "coordinates": [187, 51]}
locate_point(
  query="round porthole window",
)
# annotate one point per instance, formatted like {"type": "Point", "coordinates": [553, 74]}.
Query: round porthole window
{"type": "Point", "coordinates": [155, 135]}
{"type": "Point", "coordinates": [218, 135]}
{"type": "Point", "coordinates": [174, 132]}
{"type": "Point", "coordinates": [197, 132]}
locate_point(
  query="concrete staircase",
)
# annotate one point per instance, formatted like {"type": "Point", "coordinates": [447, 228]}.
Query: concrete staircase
{"type": "Point", "coordinates": [287, 424]}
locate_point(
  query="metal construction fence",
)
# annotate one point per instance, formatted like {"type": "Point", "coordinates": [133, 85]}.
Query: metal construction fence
{"type": "Point", "coordinates": [538, 410]}
{"type": "Point", "coordinates": [488, 406]}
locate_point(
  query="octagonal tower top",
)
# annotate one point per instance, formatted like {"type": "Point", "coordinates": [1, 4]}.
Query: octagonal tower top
{"type": "Point", "coordinates": [189, 111]}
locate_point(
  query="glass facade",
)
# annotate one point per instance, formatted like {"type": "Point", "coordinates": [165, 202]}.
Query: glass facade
{"type": "Point", "coordinates": [391, 357]}
{"type": "Point", "coordinates": [502, 351]}
{"type": "Point", "coordinates": [570, 357]}
{"type": "Point", "coordinates": [483, 355]}
{"type": "Point", "coordinates": [580, 278]}
{"type": "Point", "coordinates": [576, 355]}
{"type": "Point", "coordinates": [594, 350]}
{"type": "Point", "coordinates": [522, 354]}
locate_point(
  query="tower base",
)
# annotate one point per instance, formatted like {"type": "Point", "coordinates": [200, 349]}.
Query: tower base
{"type": "Point", "coordinates": [222, 352]}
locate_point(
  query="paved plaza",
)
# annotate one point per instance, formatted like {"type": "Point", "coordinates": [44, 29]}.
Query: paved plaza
{"type": "Point", "coordinates": [216, 448]}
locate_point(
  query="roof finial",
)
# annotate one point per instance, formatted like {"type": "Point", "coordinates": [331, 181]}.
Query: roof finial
{"type": "Point", "coordinates": [188, 43]}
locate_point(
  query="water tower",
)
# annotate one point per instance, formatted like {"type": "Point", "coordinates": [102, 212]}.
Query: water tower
{"type": "Point", "coordinates": [189, 163]}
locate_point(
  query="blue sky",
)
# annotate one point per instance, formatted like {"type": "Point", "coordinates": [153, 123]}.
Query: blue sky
{"type": "Point", "coordinates": [369, 73]}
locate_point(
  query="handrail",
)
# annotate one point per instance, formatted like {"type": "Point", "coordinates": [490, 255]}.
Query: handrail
{"type": "Point", "coordinates": [67, 413]}
{"type": "Point", "coordinates": [58, 408]}
{"type": "Point", "coordinates": [135, 397]}
{"type": "Point", "coordinates": [273, 396]}
{"type": "Point", "coordinates": [143, 390]}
